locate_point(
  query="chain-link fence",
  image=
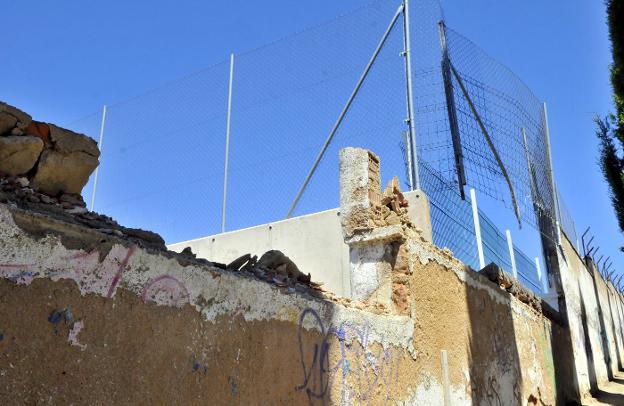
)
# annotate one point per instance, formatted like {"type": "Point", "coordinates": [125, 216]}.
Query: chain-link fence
{"type": "Point", "coordinates": [453, 227]}
{"type": "Point", "coordinates": [163, 153]}
{"type": "Point", "coordinates": [567, 224]}
{"type": "Point", "coordinates": [503, 132]}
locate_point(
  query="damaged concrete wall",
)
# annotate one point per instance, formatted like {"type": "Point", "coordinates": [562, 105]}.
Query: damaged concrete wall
{"type": "Point", "coordinates": [119, 322]}
{"type": "Point", "coordinates": [116, 318]}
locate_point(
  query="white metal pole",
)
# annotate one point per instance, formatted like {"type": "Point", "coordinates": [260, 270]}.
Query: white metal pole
{"type": "Point", "coordinates": [477, 226]}
{"type": "Point", "coordinates": [97, 170]}
{"type": "Point", "coordinates": [408, 155]}
{"type": "Point", "coordinates": [553, 185]}
{"type": "Point", "coordinates": [227, 143]}
{"type": "Point", "coordinates": [445, 378]}
{"type": "Point", "coordinates": [543, 279]}
{"type": "Point", "coordinates": [415, 175]}
{"type": "Point", "coordinates": [512, 256]}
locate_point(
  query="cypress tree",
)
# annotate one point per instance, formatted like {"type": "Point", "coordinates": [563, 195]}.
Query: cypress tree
{"type": "Point", "coordinates": [610, 130]}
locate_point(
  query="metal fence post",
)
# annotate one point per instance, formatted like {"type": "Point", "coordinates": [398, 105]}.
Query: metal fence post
{"type": "Point", "coordinates": [553, 185]}
{"type": "Point", "coordinates": [452, 110]}
{"type": "Point", "coordinates": [227, 143]}
{"type": "Point", "coordinates": [415, 175]}
{"type": "Point", "coordinates": [445, 377]}
{"type": "Point", "coordinates": [512, 255]}
{"type": "Point", "coordinates": [408, 158]}
{"type": "Point", "coordinates": [477, 227]}
{"type": "Point", "coordinates": [542, 278]}
{"type": "Point", "coordinates": [97, 170]}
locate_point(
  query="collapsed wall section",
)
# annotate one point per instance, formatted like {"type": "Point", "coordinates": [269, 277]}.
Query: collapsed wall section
{"type": "Point", "coordinates": [54, 160]}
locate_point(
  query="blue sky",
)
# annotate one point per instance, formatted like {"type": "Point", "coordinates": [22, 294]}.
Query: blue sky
{"type": "Point", "coordinates": [63, 62]}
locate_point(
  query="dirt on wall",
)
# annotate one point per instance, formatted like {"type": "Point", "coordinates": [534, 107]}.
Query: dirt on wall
{"type": "Point", "coordinates": [499, 350]}
{"type": "Point", "coordinates": [58, 347]}
{"type": "Point", "coordinates": [81, 330]}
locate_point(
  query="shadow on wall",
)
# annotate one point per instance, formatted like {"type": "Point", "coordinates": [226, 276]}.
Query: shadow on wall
{"type": "Point", "coordinates": [604, 336]}
{"type": "Point", "coordinates": [617, 304]}
{"type": "Point", "coordinates": [566, 379]}
{"type": "Point", "coordinates": [614, 331]}
{"type": "Point", "coordinates": [495, 374]}
{"type": "Point", "coordinates": [591, 367]}
{"type": "Point", "coordinates": [565, 368]}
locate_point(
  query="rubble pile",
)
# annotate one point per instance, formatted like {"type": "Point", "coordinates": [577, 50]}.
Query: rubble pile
{"type": "Point", "coordinates": [70, 208]}
{"type": "Point", "coordinates": [390, 207]}
{"type": "Point", "coordinates": [496, 274]}
{"type": "Point", "coordinates": [53, 159]}
{"type": "Point", "coordinates": [43, 169]}
{"type": "Point", "coordinates": [275, 267]}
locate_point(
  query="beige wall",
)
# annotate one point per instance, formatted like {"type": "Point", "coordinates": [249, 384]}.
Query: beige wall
{"type": "Point", "coordinates": [587, 320]}
{"type": "Point", "coordinates": [611, 325]}
{"type": "Point", "coordinates": [114, 323]}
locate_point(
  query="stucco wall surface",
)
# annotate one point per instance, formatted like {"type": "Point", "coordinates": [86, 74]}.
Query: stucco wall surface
{"type": "Point", "coordinates": [105, 322]}
{"type": "Point", "coordinates": [584, 320]}
{"type": "Point", "coordinates": [611, 332]}
{"type": "Point", "coordinates": [617, 316]}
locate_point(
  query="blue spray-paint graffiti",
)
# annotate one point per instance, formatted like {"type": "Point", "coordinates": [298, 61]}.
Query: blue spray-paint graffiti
{"type": "Point", "coordinates": [57, 316]}
{"type": "Point", "coordinates": [358, 371]}
{"type": "Point", "coordinates": [233, 385]}
{"type": "Point", "coordinates": [198, 366]}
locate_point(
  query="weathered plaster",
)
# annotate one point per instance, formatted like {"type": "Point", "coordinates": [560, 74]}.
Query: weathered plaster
{"type": "Point", "coordinates": [206, 322]}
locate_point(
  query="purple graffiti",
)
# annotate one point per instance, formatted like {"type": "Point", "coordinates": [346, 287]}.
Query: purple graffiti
{"type": "Point", "coordinates": [166, 290]}
{"type": "Point", "coordinates": [357, 360]}
{"type": "Point", "coordinates": [120, 271]}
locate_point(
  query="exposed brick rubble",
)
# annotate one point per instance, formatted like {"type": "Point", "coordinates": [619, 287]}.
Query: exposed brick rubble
{"type": "Point", "coordinates": [376, 225]}
{"type": "Point", "coordinates": [43, 169]}
{"type": "Point", "coordinates": [392, 208]}
{"type": "Point", "coordinates": [364, 205]}
{"type": "Point", "coordinates": [53, 159]}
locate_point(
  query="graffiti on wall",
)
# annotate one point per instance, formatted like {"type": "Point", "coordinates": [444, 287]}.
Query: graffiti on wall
{"type": "Point", "coordinates": [357, 370]}
{"type": "Point", "coordinates": [101, 277]}
{"type": "Point", "coordinates": [84, 267]}
{"type": "Point", "coordinates": [166, 290]}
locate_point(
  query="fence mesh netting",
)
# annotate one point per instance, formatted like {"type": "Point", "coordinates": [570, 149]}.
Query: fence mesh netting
{"type": "Point", "coordinates": [162, 158]}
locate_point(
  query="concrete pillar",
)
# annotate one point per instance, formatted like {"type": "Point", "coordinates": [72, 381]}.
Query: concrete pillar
{"type": "Point", "coordinates": [419, 212]}
{"type": "Point", "coordinates": [360, 190]}
{"type": "Point", "coordinates": [371, 224]}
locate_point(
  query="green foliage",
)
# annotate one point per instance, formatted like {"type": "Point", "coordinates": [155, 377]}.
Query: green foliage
{"type": "Point", "coordinates": [612, 166]}
{"type": "Point", "coordinates": [615, 18]}
{"type": "Point", "coordinates": [611, 128]}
